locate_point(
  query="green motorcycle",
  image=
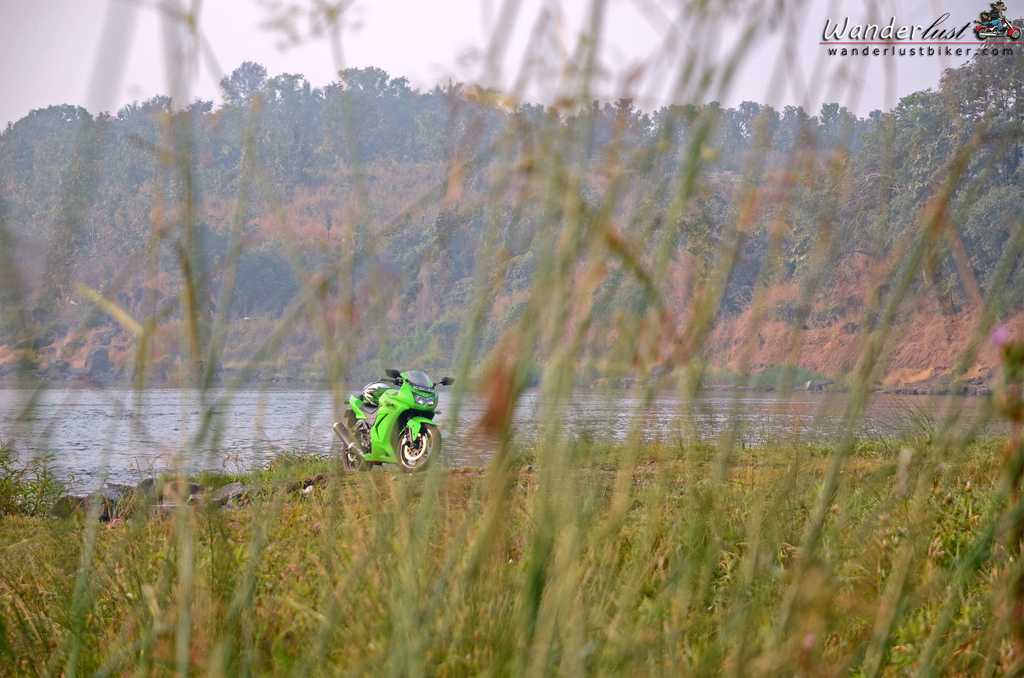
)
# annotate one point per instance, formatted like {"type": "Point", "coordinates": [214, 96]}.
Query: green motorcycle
{"type": "Point", "coordinates": [391, 421]}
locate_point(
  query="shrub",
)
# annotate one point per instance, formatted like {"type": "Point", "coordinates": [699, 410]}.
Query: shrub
{"type": "Point", "coordinates": [31, 489]}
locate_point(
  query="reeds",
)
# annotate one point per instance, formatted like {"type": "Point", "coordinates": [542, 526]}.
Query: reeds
{"type": "Point", "coordinates": [569, 556]}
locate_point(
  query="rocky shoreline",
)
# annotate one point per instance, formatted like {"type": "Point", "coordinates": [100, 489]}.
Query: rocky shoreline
{"type": "Point", "coordinates": [161, 495]}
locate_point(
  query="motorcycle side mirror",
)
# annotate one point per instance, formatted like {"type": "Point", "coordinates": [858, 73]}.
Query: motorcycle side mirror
{"type": "Point", "coordinates": [447, 381]}
{"type": "Point", "coordinates": [394, 374]}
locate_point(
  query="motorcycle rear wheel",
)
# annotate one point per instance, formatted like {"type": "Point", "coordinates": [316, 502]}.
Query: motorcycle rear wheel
{"type": "Point", "coordinates": [416, 455]}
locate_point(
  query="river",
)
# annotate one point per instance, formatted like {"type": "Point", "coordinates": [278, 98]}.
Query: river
{"type": "Point", "coordinates": [124, 436]}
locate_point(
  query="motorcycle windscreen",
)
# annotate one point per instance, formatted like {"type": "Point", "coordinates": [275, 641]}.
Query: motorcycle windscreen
{"type": "Point", "coordinates": [417, 378]}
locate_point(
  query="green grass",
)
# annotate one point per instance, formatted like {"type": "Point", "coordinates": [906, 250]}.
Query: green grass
{"type": "Point", "coordinates": [771, 377]}
{"type": "Point", "coordinates": [657, 564]}
{"type": "Point", "coordinates": [27, 489]}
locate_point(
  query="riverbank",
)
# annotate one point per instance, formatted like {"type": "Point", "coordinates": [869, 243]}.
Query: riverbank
{"type": "Point", "coordinates": [123, 437]}
{"type": "Point", "coordinates": [767, 379]}
{"type": "Point", "coordinates": [975, 387]}
{"type": "Point", "coordinates": [592, 559]}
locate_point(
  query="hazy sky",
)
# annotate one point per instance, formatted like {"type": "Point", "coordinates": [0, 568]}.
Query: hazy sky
{"type": "Point", "coordinates": [103, 54]}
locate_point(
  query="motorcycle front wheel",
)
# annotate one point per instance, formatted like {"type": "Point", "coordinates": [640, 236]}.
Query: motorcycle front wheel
{"type": "Point", "coordinates": [415, 455]}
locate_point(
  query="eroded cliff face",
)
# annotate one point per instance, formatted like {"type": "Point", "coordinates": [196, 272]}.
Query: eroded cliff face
{"type": "Point", "coordinates": [925, 343]}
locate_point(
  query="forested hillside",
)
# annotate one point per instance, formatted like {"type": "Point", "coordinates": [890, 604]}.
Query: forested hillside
{"type": "Point", "coordinates": [428, 220]}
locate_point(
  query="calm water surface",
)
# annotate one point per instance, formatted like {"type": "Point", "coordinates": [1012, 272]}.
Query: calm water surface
{"type": "Point", "coordinates": [128, 436]}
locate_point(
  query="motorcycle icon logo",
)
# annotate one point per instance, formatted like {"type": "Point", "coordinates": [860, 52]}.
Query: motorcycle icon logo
{"type": "Point", "coordinates": [992, 23]}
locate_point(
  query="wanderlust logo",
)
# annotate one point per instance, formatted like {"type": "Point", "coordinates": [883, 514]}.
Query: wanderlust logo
{"type": "Point", "coordinates": [942, 36]}
{"type": "Point", "coordinates": [937, 30]}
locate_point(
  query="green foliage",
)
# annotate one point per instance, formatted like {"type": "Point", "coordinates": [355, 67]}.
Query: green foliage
{"type": "Point", "coordinates": [773, 377]}
{"type": "Point", "coordinates": [988, 225]}
{"type": "Point", "coordinates": [345, 158]}
{"type": "Point", "coordinates": [265, 283]}
{"type": "Point", "coordinates": [29, 489]}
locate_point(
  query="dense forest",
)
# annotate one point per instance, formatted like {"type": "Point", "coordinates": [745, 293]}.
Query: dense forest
{"type": "Point", "coordinates": [370, 203]}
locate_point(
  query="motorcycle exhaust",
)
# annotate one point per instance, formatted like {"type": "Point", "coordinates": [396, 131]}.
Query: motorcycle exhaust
{"type": "Point", "coordinates": [343, 433]}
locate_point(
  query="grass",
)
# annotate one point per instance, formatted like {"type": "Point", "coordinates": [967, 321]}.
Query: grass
{"type": "Point", "coordinates": [27, 489]}
{"type": "Point", "coordinates": [769, 378]}
{"type": "Point", "coordinates": [888, 557]}
{"type": "Point", "coordinates": [527, 568]}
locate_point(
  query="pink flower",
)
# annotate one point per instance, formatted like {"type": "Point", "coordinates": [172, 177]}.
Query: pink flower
{"type": "Point", "coordinates": [809, 641]}
{"type": "Point", "coordinates": [1000, 336]}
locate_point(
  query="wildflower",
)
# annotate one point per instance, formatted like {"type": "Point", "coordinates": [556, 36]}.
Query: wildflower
{"type": "Point", "coordinates": [808, 641]}
{"type": "Point", "coordinates": [1000, 336]}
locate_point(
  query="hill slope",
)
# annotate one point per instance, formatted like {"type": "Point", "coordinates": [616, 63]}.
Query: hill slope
{"type": "Point", "coordinates": [386, 225]}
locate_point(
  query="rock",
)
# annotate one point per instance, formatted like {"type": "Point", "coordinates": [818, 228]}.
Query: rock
{"type": "Point", "coordinates": [113, 502]}
{"type": "Point", "coordinates": [230, 494]}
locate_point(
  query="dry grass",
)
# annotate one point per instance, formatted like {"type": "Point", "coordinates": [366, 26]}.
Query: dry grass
{"type": "Point", "coordinates": [598, 571]}
{"type": "Point", "coordinates": [632, 558]}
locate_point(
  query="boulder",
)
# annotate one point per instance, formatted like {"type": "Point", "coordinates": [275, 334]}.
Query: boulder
{"type": "Point", "coordinates": [113, 502]}
{"type": "Point", "coordinates": [232, 493]}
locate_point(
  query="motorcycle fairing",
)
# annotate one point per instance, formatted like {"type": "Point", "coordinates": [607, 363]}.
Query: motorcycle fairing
{"type": "Point", "coordinates": [383, 432]}
{"type": "Point", "coordinates": [416, 423]}
{"type": "Point", "coordinates": [361, 409]}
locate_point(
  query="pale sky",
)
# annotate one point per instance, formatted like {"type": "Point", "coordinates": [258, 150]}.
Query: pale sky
{"type": "Point", "coordinates": [51, 49]}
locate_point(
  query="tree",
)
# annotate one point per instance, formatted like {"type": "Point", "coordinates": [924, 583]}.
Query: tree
{"type": "Point", "coordinates": [244, 82]}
